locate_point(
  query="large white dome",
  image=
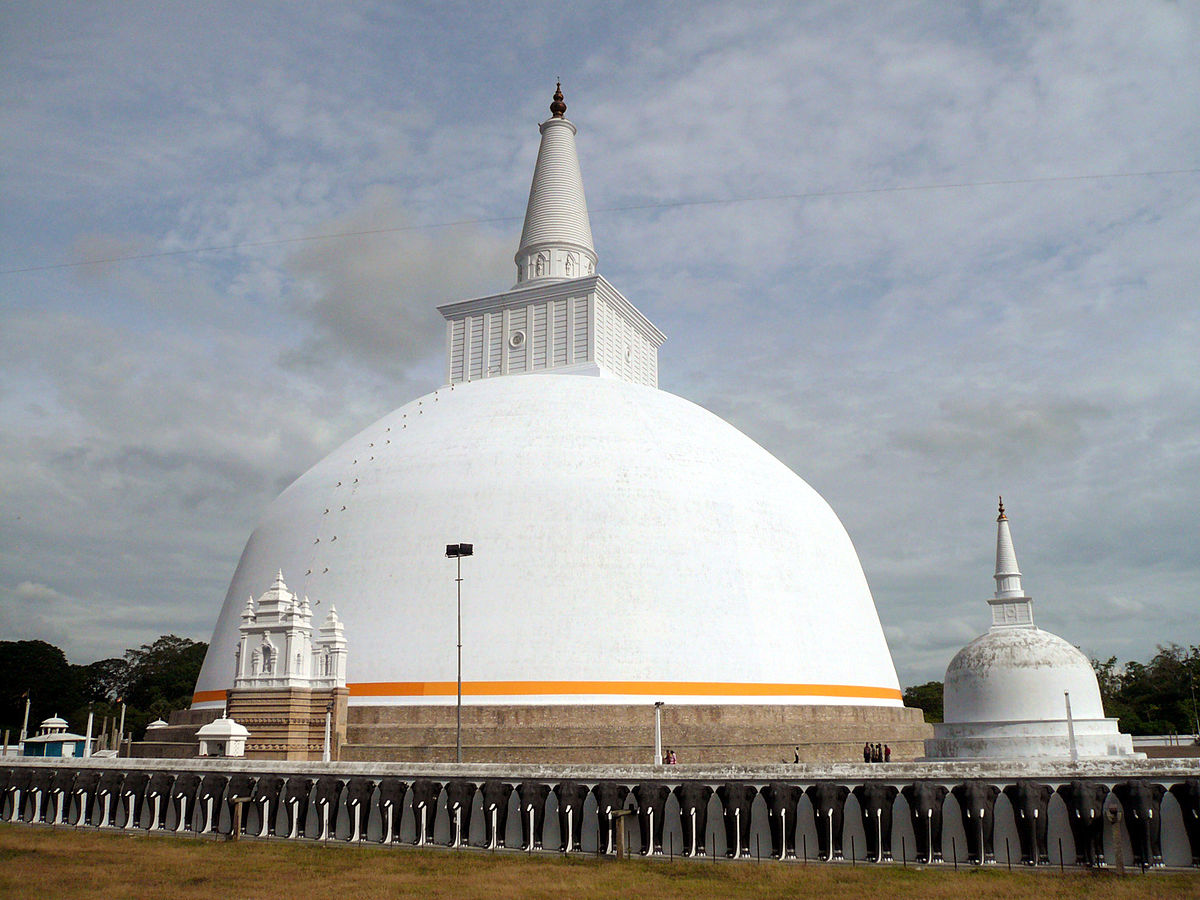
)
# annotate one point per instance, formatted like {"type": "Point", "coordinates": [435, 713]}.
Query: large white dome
{"type": "Point", "coordinates": [628, 544]}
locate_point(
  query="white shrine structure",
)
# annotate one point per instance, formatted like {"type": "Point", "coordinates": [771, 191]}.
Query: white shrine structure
{"type": "Point", "coordinates": [1017, 691]}
{"type": "Point", "coordinates": [630, 547]}
{"type": "Point", "coordinates": [277, 648]}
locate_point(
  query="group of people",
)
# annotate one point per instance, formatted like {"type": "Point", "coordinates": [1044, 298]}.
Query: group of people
{"type": "Point", "coordinates": [876, 753]}
{"type": "Point", "coordinates": [669, 758]}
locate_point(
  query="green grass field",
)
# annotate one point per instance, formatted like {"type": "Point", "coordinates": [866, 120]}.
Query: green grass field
{"type": "Point", "coordinates": [62, 863]}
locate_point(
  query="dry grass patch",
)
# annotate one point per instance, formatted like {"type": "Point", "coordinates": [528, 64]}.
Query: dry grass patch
{"type": "Point", "coordinates": [42, 863]}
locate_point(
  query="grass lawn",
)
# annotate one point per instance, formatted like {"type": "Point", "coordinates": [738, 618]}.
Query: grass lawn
{"type": "Point", "coordinates": [42, 863]}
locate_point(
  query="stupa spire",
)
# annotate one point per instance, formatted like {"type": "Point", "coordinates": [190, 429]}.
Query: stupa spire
{"type": "Point", "coordinates": [1009, 605]}
{"type": "Point", "coordinates": [556, 242]}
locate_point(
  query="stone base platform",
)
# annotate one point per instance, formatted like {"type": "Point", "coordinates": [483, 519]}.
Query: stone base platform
{"type": "Point", "coordinates": [742, 734]}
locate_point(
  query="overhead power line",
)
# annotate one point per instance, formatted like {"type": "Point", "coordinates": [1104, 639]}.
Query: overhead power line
{"type": "Point", "coordinates": [677, 204]}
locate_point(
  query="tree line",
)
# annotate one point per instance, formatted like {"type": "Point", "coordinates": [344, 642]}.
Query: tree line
{"type": "Point", "coordinates": [151, 680]}
{"type": "Point", "coordinates": [1158, 697]}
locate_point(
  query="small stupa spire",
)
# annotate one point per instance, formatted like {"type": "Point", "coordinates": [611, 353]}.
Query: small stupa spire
{"type": "Point", "coordinates": [1010, 605]}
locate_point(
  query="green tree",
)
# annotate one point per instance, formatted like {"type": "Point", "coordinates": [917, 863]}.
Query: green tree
{"type": "Point", "coordinates": [41, 672]}
{"type": "Point", "coordinates": [926, 697]}
{"type": "Point", "coordinates": [160, 677]}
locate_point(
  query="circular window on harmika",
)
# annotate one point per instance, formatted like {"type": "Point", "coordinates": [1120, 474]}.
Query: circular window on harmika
{"type": "Point", "coordinates": [516, 339]}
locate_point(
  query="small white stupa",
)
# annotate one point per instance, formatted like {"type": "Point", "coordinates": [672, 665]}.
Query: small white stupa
{"type": "Point", "coordinates": [1018, 692]}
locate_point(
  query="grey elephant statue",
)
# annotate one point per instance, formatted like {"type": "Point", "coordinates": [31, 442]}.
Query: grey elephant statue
{"type": "Point", "coordinates": [267, 791]}
{"type": "Point", "coordinates": [392, 792]}
{"type": "Point", "coordinates": [359, 792]}
{"type": "Point", "coordinates": [133, 790]}
{"type": "Point", "coordinates": [875, 799]}
{"type": "Point", "coordinates": [829, 806]}
{"type": "Point", "coordinates": [1142, 803]}
{"type": "Point", "coordinates": [158, 797]}
{"type": "Point", "coordinates": [212, 789]}
{"type": "Point", "coordinates": [533, 796]}
{"type": "Point", "coordinates": [1031, 804]}
{"type": "Point", "coordinates": [693, 797]}
{"type": "Point", "coordinates": [425, 794]}
{"type": "Point", "coordinates": [1085, 813]}
{"type": "Point", "coordinates": [571, 796]}
{"type": "Point", "coordinates": [495, 812]}
{"type": "Point", "coordinates": [460, 795]}
{"type": "Point", "coordinates": [737, 801]}
{"type": "Point", "coordinates": [108, 792]}
{"type": "Point", "coordinates": [651, 798]}
{"type": "Point", "coordinates": [925, 800]}
{"type": "Point", "coordinates": [782, 799]}
{"type": "Point", "coordinates": [977, 801]}
{"type": "Point", "coordinates": [327, 798]}
{"type": "Point", "coordinates": [240, 788]}
{"type": "Point", "coordinates": [610, 796]}
{"type": "Point", "coordinates": [39, 793]}
{"type": "Point", "coordinates": [86, 783]}
{"type": "Point", "coordinates": [296, 795]}
{"type": "Point", "coordinates": [184, 794]}
{"type": "Point", "coordinates": [61, 788]}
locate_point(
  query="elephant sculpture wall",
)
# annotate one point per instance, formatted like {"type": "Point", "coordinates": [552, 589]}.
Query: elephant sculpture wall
{"type": "Point", "coordinates": [1030, 802]}
{"type": "Point", "coordinates": [158, 798]}
{"type": "Point", "coordinates": [267, 792]}
{"type": "Point", "coordinates": [783, 801]}
{"type": "Point", "coordinates": [651, 799]}
{"type": "Point", "coordinates": [533, 796]}
{"type": "Point", "coordinates": [359, 792]}
{"type": "Point", "coordinates": [425, 795]}
{"type": "Point", "coordinates": [184, 795]}
{"type": "Point", "coordinates": [1141, 802]}
{"type": "Point", "coordinates": [18, 793]}
{"type": "Point", "coordinates": [392, 792]}
{"type": "Point", "coordinates": [495, 796]}
{"type": "Point", "coordinates": [610, 796]}
{"type": "Point", "coordinates": [1187, 793]}
{"type": "Point", "coordinates": [737, 801]}
{"type": "Point", "coordinates": [571, 796]}
{"type": "Point", "coordinates": [693, 797]}
{"type": "Point", "coordinates": [829, 805]}
{"type": "Point", "coordinates": [977, 801]}
{"type": "Point", "coordinates": [925, 800]}
{"type": "Point", "coordinates": [1085, 813]}
{"type": "Point", "coordinates": [875, 799]}
{"type": "Point", "coordinates": [460, 795]}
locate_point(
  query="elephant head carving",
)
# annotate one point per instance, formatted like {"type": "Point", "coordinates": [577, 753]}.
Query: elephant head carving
{"type": "Point", "coordinates": [392, 792]}
{"type": "Point", "coordinates": [425, 794]}
{"type": "Point", "coordinates": [533, 812]}
{"type": "Point", "coordinates": [495, 812]}
{"type": "Point", "coordinates": [875, 799]}
{"type": "Point", "coordinates": [610, 796]}
{"type": "Point", "coordinates": [571, 797]}
{"type": "Point", "coordinates": [829, 805]}
{"type": "Point", "coordinates": [737, 801]}
{"type": "Point", "coordinates": [1187, 792]}
{"type": "Point", "coordinates": [459, 797]}
{"type": "Point", "coordinates": [782, 801]}
{"type": "Point", "coordinates": [925, 801]}
{"type": "Point", "coordinates": [977, 801]}
{"type": "Point", "coordinates": [693, 797]}
{"type": "Point", "coordinates": [1085, 812]}
{"type": "Point", "coordinates": [1031, 803]}
{"type": "Point", "coordinates": [1141, 801]}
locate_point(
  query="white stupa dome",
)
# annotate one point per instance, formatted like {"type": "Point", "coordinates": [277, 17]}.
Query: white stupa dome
{"type": "Point", "coordinates": [1017, 691]}
{"type": "Point", "coordinates": [628, 544]}
{"type": "Point", "coordinates": [1019, 673]}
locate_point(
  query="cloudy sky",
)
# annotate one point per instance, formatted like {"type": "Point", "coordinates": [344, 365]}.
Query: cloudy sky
{"type": "Point", "coordinates": [925, 253]}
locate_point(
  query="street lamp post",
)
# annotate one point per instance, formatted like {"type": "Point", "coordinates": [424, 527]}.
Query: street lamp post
{"type": "Point", "coordinates": [457, 552]}
{"type": "Point", "coordinates": [658, 755]}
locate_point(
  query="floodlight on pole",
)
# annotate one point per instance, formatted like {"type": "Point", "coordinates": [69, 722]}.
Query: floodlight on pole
{"type": "Point", "coordinates": [457, 552]}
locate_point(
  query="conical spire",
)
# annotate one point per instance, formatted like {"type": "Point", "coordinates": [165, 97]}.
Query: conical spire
{"type": "Point", "coordinates": [556, 242]}
{"type": "Point", "coordinates": [1008, 576]}
{"type": "Point", "coordinates": [1009, 605]}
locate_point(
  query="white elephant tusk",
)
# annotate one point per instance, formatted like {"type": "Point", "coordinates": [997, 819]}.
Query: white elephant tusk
{"type": "Point", "coordinates": [570, 828]}
{"type": "Point", "coordinates": [693, 853]}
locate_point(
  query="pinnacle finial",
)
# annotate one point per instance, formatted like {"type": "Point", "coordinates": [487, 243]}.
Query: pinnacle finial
{"type": "Point", "coordinates": [1001, 516]}
{"type": "Point", "coordinates": [558, 108]}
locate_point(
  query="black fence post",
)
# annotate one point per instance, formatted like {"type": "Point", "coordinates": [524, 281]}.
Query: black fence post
{"type": "Point", "coordinates": [1008, 854]}
{"type": "Point", "coordinates": [954, 851]}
